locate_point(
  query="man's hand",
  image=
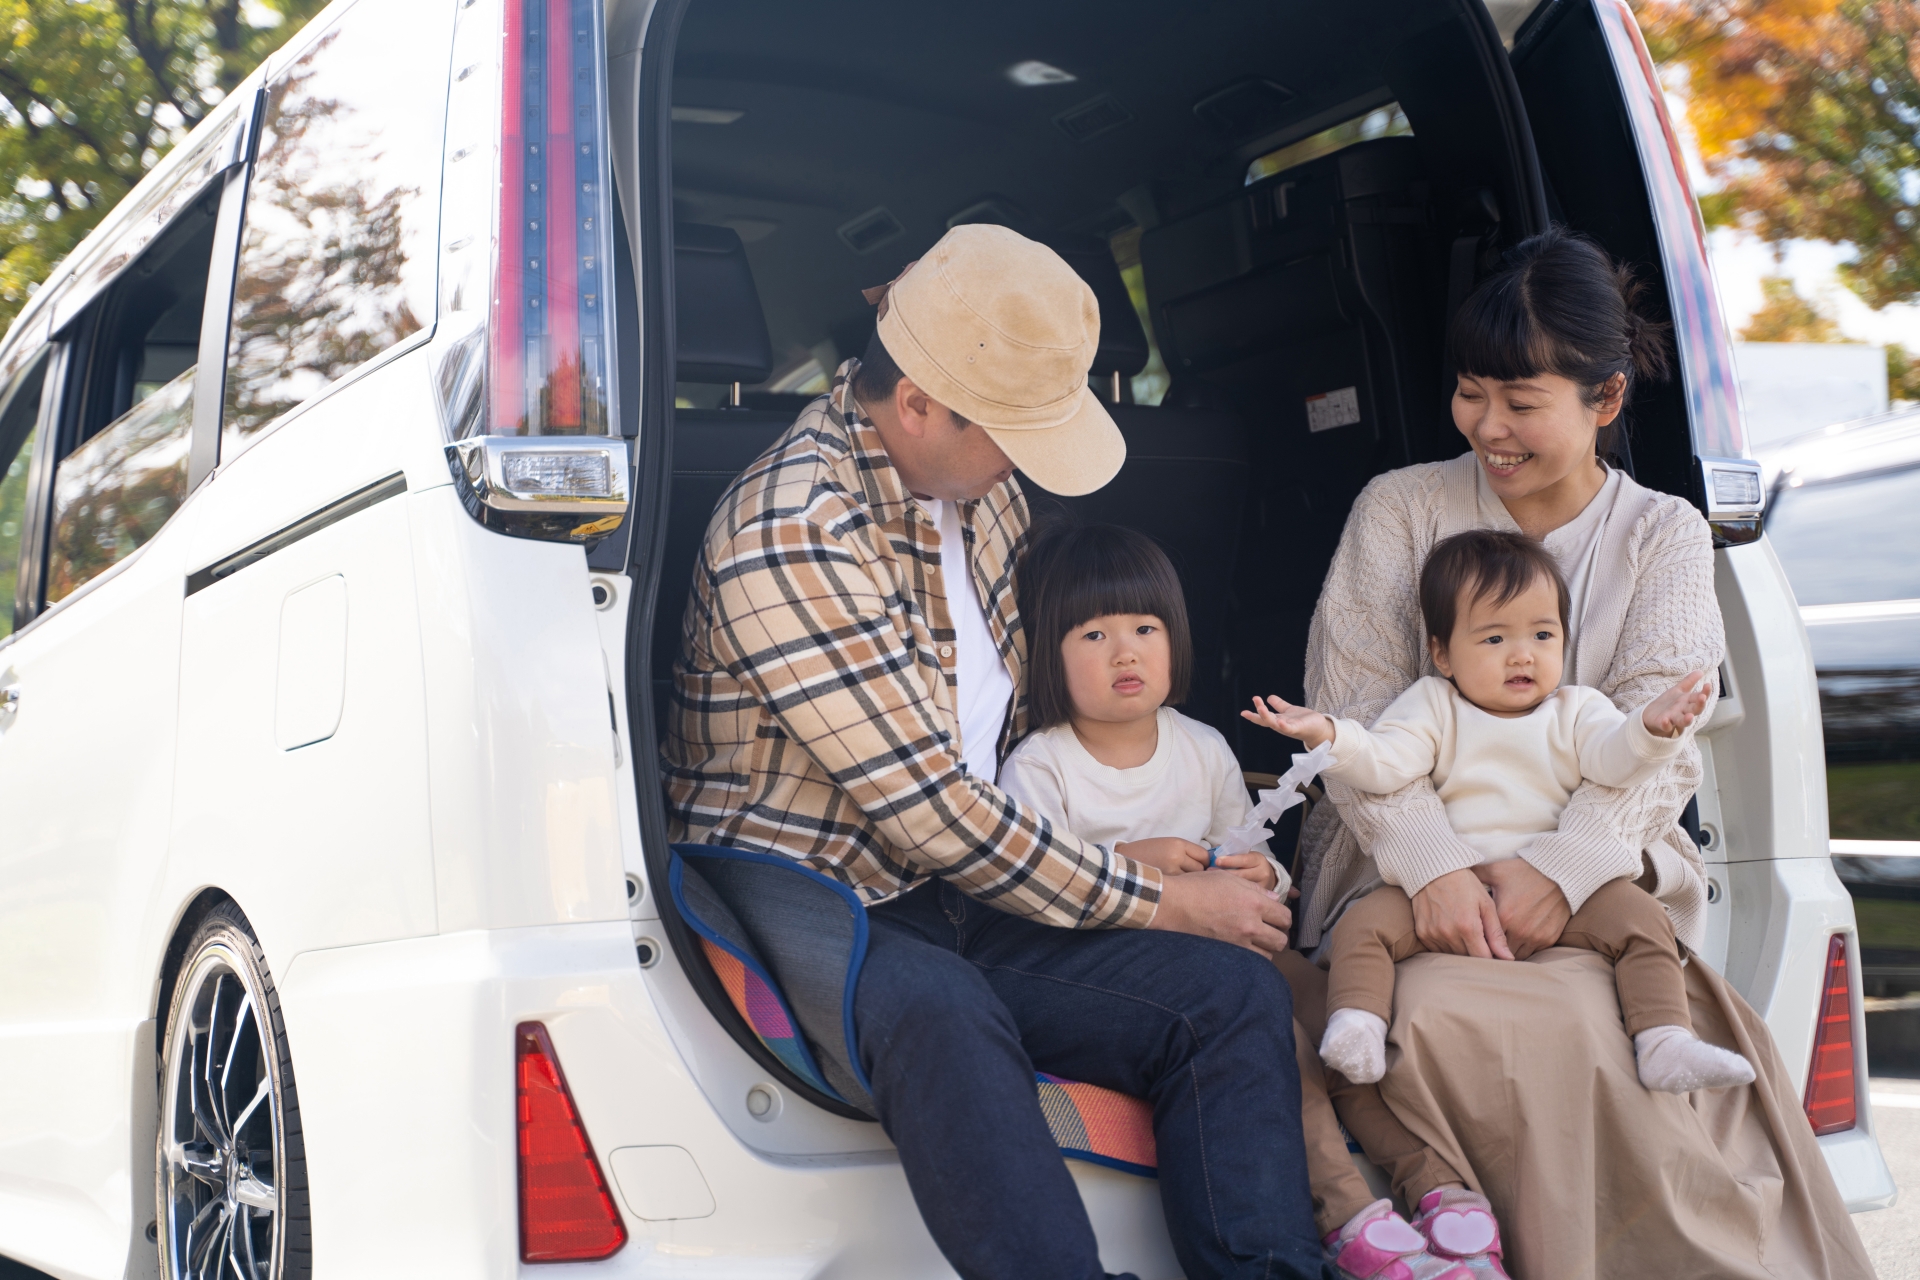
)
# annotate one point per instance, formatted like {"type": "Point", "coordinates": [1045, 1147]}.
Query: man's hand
{"type": "Point", "coordinates": [1532, 909]}
{"type": "Point", "coordinates": [1171, 854]}
{"type": "Point", "coordinates": [1289, 721]}
{"type": "Point", "coordinates": [1255, 868]}
{"type": "Point", "coordinates": [1219, 904]}
{"type": "Point", "coordinates": [1668, 715]}
{"type": "Point", "coordinates": [1454, 914]}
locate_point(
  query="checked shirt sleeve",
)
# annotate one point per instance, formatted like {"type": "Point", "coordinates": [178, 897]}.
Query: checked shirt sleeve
{"type": "Point", "coordinates": [802, 623]}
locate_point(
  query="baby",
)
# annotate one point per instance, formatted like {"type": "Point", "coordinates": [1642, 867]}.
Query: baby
{"type": "Point", "coordinates": [1506, 748]}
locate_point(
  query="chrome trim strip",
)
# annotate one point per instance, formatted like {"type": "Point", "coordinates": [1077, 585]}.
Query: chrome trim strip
{"type": "Point", "coordinates": [334, 512]}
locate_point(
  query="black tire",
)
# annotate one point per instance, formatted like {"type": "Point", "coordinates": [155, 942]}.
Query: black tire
{"type": "Point", "coordinates": [228, 1113]}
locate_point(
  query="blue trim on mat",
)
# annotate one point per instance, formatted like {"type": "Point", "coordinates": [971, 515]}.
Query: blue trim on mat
{"type": "Point", "coordinates": [855, 960]}
{"type": "Point", "coordinates": [811, 1069]}
{"type": "Point", "coordinates": [1124, 1166]}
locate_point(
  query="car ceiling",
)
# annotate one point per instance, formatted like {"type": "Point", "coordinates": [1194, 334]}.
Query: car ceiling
{"type": "Point", "coordinates": [853, 104]}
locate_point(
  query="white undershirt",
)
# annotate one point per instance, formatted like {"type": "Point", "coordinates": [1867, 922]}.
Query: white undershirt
{"type": "Point", "coordinates": [986, 690]}
{"type": "Point", "coordinates": [1575, 544]}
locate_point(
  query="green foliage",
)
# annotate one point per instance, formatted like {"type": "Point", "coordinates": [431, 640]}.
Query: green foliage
{"type": "Point", "coordinates": [1808, 113]}
{"type": "Point", "coordinates": [93, 93]}
{"type": "Point", "coordinates": [1903, 374]}
{"type": "Point", "coordinates": [1785, 316]}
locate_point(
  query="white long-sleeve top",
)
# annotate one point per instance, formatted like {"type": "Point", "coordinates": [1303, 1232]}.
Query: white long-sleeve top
{"type": "Point", "coordinates": [1191, 787]}
{"type": "Point", "coordinates": [1503, 780]}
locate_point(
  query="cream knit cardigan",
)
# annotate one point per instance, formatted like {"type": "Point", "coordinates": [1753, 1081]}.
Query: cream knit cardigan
{"type": "Point", "coordinates": [1651, 617]}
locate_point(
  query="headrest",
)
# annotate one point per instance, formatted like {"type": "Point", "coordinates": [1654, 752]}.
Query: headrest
{"type": "Point", "coordinates": [1123, 343]}
{"type": "Point", "coordinates": [722, 331]}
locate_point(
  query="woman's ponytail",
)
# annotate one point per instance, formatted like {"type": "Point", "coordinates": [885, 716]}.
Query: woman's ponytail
{"type": "Point", "coordinates": [1647, 346]}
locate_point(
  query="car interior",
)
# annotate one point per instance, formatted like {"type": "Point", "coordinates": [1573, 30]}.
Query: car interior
{"type": "Point", "coordinates": [1292, 315]}
{"type": "Point", "coordinates": [1277, 205]}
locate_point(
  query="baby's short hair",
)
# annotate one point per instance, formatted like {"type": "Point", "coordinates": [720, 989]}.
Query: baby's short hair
{"type": "Point", "coordinates": [1488, 563]}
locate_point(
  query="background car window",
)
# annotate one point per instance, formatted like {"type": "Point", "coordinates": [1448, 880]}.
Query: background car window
{"type": "Point", "coordinates": [1850, 540]}
{"type": "Point", "coordinates": [337, 262]}
{"type": "Point", "coordinates": [18, 420]}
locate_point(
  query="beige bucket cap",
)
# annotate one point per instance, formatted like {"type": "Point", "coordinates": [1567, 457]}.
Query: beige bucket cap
{"type": "Point", "coordinates": [1002, 331]}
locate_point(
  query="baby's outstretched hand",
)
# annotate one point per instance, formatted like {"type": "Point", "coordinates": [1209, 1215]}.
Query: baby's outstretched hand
{"type": "Point", "coordinates": [1289, 721]}
{"type": "Point", "coordinates": [1668, 715]}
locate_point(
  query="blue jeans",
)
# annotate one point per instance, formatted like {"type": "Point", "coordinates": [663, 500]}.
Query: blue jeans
{"type": "Point", "coordinates": [958, 1004]}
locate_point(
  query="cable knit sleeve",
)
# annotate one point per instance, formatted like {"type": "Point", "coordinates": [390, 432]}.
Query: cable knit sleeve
{"type": "Point", "coordinates": [1672, 627]}
{"type": "Point", "coordinates": [1364, 649]}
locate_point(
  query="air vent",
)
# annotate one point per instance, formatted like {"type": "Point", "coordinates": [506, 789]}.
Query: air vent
{"type": "Point", "coordinates": [1091, 119]}
{"type": "Point", "coordinates": [1245, 107]}
{"type": "Point", "coordinates": [871, 230]}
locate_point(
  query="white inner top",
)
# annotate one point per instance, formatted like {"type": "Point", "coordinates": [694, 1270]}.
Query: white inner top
{"type": "Point", "coordinates": [1575, 544]}
{"type": "Point", "coordinates": [986, 690]}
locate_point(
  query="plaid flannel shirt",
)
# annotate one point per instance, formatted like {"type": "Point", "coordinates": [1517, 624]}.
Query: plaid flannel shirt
{"type": "Point", "coordinates": [814, 701]}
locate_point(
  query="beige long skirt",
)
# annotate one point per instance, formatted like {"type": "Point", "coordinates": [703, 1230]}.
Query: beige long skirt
{"type": "Point", "coordinates": [1521, 1076]}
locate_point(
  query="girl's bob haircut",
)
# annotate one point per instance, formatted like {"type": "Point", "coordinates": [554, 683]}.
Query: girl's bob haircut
{"type": "Point", "coordinates": [1074, 574]}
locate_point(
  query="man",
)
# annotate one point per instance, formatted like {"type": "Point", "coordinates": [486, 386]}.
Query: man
{"type": "Point", "coordinates": [851, 674]}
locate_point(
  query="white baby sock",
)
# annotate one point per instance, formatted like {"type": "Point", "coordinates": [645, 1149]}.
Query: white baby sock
{"type": "Point", "coordinates": [1674, 1060]}
{"type": "Point", "coordinates": [1355, 1045]}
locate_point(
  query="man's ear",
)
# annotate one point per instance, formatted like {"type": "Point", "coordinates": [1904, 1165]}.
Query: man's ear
{"type": "Point", "coordinates": [1438, 651]}
{"type": "Point", "coordinates": [912, 407]}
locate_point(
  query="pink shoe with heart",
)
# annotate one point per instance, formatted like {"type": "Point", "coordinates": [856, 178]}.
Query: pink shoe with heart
{"type": "Point", "coordinates": [1458, 1224]}
{"type": "Point", "coordinates": [1379, 1244]}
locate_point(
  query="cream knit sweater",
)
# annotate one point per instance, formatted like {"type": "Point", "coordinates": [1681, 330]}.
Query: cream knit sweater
{"type": "Point", "coordinates": [1651, 617]}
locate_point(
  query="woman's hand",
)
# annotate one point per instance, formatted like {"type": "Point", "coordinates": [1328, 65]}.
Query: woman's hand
{"type": "Point", "coordinates": [1289, 721]}
{"type": "Point", "coordinates": [1171, 854]}
{"type": "Point", "coordinates": [1251, 867]}
{"type": "Point", "coordinates": [1531, 907]}
{"type": "Point", "coordinates": [1454, 914]}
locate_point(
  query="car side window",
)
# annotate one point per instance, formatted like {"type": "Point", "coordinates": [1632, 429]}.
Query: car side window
{"type": "Point", "coordinates": [127, 415]}
{"type": "Point", "coordinates": [337, 261]}
{"type": "Point", "coordinates": [1850, 541]}
{"type": "Point", "coordinates": [19, 422]}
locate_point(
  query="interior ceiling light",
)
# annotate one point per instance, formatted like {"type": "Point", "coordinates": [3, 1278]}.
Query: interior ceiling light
{"type": "Point", "coordinates": [1033, 72]}
{"type": "Point", "coordinates": [707, 115]}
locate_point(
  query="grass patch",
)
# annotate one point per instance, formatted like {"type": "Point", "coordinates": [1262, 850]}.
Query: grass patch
{"type": "Point", "coordinates": [1879, 801]}
{"type": "Point", "coordinates": [1887, 923]}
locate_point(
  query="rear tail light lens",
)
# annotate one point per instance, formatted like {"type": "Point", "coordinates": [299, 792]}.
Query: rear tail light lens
{"type": "Point", "coordinates": [566, 1212]}
{"type": "Point", "coordinates": [1830, 1080]}
{"type": "Point", "coordinates": [550, 331]}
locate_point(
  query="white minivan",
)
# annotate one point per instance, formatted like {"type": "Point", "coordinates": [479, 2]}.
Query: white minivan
{"type": "Point", "coordinates": [350, 476]}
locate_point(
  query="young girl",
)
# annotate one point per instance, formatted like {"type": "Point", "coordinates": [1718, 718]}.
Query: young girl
{"type": "Point", "coordinates": [1113, 763]}
{"type": "Point", "coordinates": [1506, 748]}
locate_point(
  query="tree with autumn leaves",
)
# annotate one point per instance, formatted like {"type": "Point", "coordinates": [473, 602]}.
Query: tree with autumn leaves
{"type": "Point", "coordinates": [93, 93]}
{"type": "Point", "coordinates": [1808, 116]}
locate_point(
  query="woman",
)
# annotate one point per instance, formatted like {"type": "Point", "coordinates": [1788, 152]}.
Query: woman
{"type": "Point", "coordinates": [1516, 1078]}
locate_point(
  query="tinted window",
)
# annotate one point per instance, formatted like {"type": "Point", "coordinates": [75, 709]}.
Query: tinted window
{"type": "Point", "coordinates": [112, 494]}
{"type": "Point", "coordinates": [337, 261]}
{"type": "Point", "coordinates": [18, 420]}
{"type": "Point", "coordinates": [1850, 540]}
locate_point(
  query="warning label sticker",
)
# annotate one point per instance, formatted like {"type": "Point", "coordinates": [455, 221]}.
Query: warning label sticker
{"type": "Point", "coordinates": [1332, 409]}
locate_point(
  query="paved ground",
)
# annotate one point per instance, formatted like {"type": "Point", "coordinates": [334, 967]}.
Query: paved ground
{"type": "Point", "coordinates": [1892, 1236]}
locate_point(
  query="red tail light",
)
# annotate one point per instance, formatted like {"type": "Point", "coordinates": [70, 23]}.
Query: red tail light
{"type": "Point", "coordinates": [566, 1212]}
{"type": "Point", "coordinates": [549, 335]}
{"type": "Point", "coordinates": [1830, 1080]}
